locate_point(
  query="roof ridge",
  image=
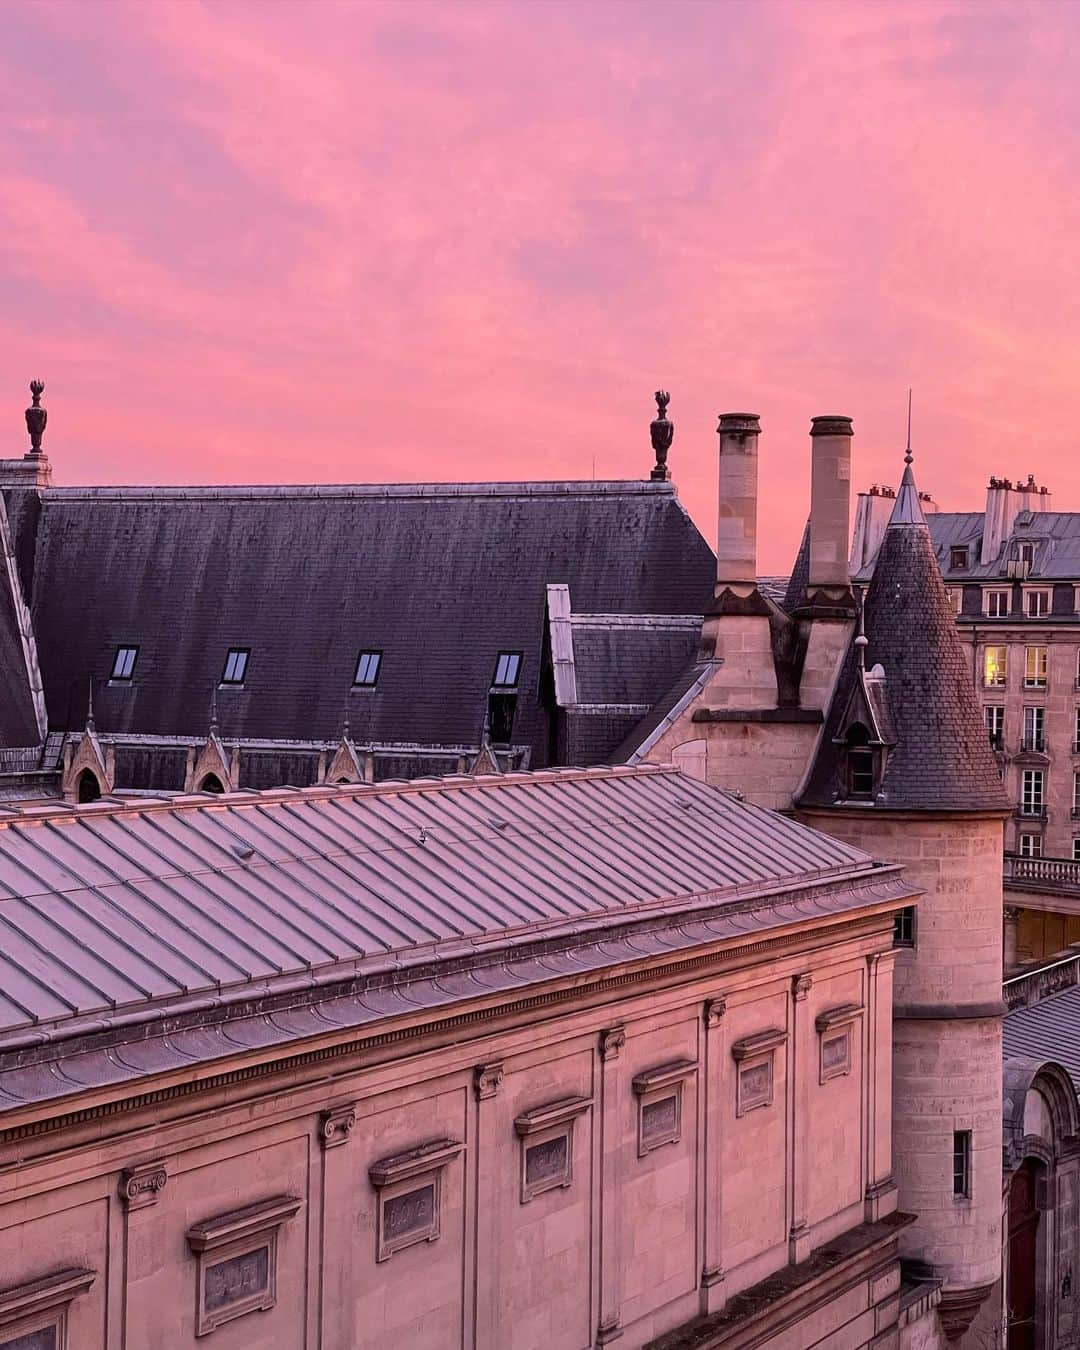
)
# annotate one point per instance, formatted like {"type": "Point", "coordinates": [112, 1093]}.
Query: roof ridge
{"type": "Point", "coordinates": [55, 811]}
{"type": "Point", "coordinates": [322, 491]}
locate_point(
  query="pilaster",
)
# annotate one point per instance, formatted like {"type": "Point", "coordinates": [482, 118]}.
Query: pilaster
{"type": "Point", "coordinates": [713, 1290]}
{"type": "Point", "coordinates": [609, 1327]}
{"type": "Point", "coordinates": [802, 1056]}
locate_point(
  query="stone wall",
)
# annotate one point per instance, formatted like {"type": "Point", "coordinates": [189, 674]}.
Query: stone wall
{"type": "Point", "coordinates": [691, 1141]}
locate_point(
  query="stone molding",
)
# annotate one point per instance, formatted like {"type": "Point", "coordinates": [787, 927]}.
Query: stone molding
{"type": "Point", "coordinates": [664, 1075]}
{"type": "Point", "coordinates": [336, 1124]}
{"type": "Point", "coordinates": [364, 1044]}
{"type": "Point", "coordinates": [801, 986]}
{"type": "Point", "coordinates": [141, 1185]}
{"type": "Point", "coordinates": [487, 1079]}
{"type": "Point", "coordinates": [758, 1044]}
{"type": "Point", "coordinates": [549, 1116]}
{"type": "Point", "coordinates": [413, 1163]}
{"type": "Point", "coordinates": [714, 1011]}
{"type": "Point", "coordinates": [40, 1296]}
{"type": "Point", "coordinates": [611, 1043]}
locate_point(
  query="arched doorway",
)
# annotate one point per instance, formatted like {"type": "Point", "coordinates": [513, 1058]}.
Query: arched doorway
{"type": "Point", "coordinates": [1023, 1259]}
{"type": "Point", "coordinates": [88, 789]}
{"type": "Point", "coordinates": [211, 783]}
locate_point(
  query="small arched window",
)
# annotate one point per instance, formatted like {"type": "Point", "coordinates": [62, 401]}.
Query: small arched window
{"type": "Point", "coordinates": [88, 788]}
{"type": "Point", "coordinates": [211, 783]}
{"type": "Point", "coordinates": [860, 762]}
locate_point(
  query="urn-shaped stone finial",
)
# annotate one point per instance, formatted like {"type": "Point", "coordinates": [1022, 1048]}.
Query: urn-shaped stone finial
{"type": "Point", "coordinates": [36, 417]}
{"type": "Point", "coordinates": [662, 431]}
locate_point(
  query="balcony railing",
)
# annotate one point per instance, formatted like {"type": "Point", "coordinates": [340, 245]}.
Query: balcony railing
{"type": "Point", "coordinates": [1035, 744]}
{"type": "Point", "coordinates": [1054, 873]}
{"type": "Point", "coordinates": [1034, 985]}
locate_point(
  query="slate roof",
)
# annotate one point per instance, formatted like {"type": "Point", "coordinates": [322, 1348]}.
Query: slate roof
{"type": "Point", "coordinates": [942, 759]}
{"type": "Point", "coordinates": [1048, 1030]}
{"type": "Point", "coordinates": [439, 578]}
{"type": "Point", "coordinates": [18, 714]}
{"type": "Point", "coordinates": [1056, 535]}
{"type": "Point", "coordinates": [110, 908]}
{"type": "Point", "coordinates": [632, 664]}
{"type": "Point", "coordinates": [795, 591]}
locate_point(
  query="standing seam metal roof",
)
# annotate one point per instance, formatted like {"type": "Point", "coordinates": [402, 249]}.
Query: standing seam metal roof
{"type": "Point", "coordinates": [111, 906]}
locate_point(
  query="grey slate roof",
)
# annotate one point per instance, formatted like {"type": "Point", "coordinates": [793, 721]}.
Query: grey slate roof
{"type": "Point", "coordinates": [942, 759]}
{"type": "Point", "coordinates": [18, 716]}
{"type": "Point", "coordinates": [113, 906]}
{"type": "Point", "coordinates": [438, 578]}
{"type": "Point", "coordinates": [1049, 1030]}
{"type": "Point", "coordinates": [630, 665]}
{"type": "Point", "coordinates": [1056, 535]}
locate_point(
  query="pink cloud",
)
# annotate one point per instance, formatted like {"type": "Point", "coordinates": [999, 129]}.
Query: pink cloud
{"type": "Point", "coordinates": [468, 241]}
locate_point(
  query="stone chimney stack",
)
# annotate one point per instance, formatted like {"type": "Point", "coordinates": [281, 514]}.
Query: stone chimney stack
{"type": "Point", "coordinates": [828, 582]}
{"type": "Point", "coordinates": [1004, 502]}
{"type": "Point", "coordinates": [736, 531]}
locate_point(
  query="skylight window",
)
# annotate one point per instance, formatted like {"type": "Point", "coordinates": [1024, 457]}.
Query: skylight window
{"type": "Point", "coordinates": [367, 670]}
{"type": "Point", "coordinates": [124, 663]}
{"type": "Point", "coordinates": [506, 670]}
{"type": "Point", "coordinates": [236, 664]}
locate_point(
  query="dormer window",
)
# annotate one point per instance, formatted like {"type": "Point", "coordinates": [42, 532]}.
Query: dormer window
{"type": "Point", "coordinates": [1036, 603]}
{"type": "Point", "coordinates": [958, 558]}
{"type": "Point", "coordinates": [236, 664]}
{"type": "Point", "coordinates": [860, 762]}
{"type": "Point", "coordinates": [123, 666]}
{"type": "Point", "coordinates": [1025, 553]}
{"type": "Point", "coordinates": [367, 670]}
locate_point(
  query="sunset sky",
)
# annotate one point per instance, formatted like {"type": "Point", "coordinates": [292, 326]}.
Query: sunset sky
{"type": "Point", "coordinates": [380, 242]}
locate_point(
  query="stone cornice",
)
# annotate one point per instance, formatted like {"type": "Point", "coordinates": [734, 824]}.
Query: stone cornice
{"type": "Point", "coordinates": [377, 1046]}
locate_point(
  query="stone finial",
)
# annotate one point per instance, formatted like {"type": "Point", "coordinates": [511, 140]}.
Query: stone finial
{"type": "Point", "coordinates": [36, 417]}
{"type": "Point", "coordinates": [90, 707]}
{"type": "Point", "coordinates": [662, 432]}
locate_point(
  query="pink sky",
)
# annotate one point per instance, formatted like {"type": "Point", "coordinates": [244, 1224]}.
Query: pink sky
{"type": "Point", "coordinates": [364, 242]}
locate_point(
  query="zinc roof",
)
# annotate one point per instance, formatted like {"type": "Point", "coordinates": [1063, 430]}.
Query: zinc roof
{"type": "Point", "coordinates": [122, 904]}
{"type": "Point", "coordinates": [1049, 1029]}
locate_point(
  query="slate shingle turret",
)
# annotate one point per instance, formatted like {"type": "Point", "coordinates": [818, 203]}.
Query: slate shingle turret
{"type": "Point", "coordinates": [941, 759]}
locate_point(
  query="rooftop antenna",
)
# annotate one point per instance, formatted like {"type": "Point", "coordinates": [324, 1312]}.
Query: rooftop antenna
{"type": "Point", "coordinates": [908, 456]}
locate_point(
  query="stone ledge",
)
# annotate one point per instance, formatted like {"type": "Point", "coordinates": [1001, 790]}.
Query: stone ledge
{"type": "Point", "coordinates": [813, 716]}
{"type": "Point", "coordinates": [782, 1300]}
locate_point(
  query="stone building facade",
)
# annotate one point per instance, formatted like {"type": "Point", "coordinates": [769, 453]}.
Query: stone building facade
{"type": "Point", "coordinates": [545, 1060]}
{"type": "Point", "coordinates": [854, 709]}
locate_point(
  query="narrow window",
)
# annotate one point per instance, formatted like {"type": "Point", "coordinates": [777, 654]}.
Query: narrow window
{"type": "Point", "coordinates": [506, 670]}
{"type": "Point", "coordinates": [994, 661]}
{"type": "Point", "coordinates": [1031, 846]}
{"type": "Point", "coordinates": [1035, 668]}
{"type": "Point", "coordinates": [961, 1173]}
{"type": "Point", "coordinates": [1076, 848]}
{"type": "Point", "coordinates": [1025, 553]}
{"type": "Point", "coordinates": [1078, 668]}
{"type": "Point", "coordinates": [236, 664]}
{"type": "Point", "coordinates": [1034, 722]}
{"type": "Point", "coordinates": [1076, 795]}
{"type": "Point", "coordinates": [904, 927]}
{"type": "Point", "coordinates": [995, 724]}
{"type": "Point", "coordinates": [1036, 604]}
{"type": "Point", "coordinates": [997, 604]}
{"type": "Point", "coordinates": [123, 666]}
{"type": "Point", "coordinates": [367, 670]}
{"type": "Point", "coordinates": [501, 710]}
{"type": "Point", "coordinates": [1076, 732]}
{"type": "Point", "coordinates": [956, 599]}
{"type": "Point", "coordinates": [958, 557]}
{"type": "Point", "coordinates": [1031, 797]}
{"type": "Point", "coordinates": [860, 762]}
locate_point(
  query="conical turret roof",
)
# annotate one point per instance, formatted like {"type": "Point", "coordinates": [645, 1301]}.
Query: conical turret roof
{"type": "Point", "coordinates": [941, 759]}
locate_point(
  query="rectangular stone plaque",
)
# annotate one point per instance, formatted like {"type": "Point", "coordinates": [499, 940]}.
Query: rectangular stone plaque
{"type": "Point", "coordinates": [834, 1054]}
{"type": "Point", "coordinates": [547, 1164]}
{"type": "Point", "coordinates": [237, 1278]}
{"type": "Point", "coordinates": [660, 1120]}
{"type": "Point", "coordinates": [42, 1339]}
{"type": "Point", "coordinates": [409, 1213]}
{"type": "Point", "coordinates": [755, 1085]}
